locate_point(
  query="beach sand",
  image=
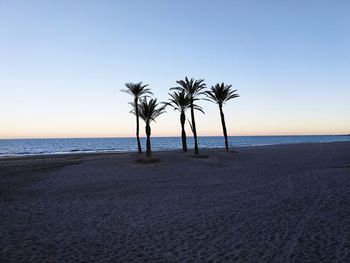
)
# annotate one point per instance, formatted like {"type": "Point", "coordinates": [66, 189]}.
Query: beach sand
{"type": "Point", "coordinates": [283, 203]}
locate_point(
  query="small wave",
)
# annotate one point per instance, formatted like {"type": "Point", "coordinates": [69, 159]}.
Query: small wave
{"type": "Point", "coordinates": [21, 153]}
{"type": "Point", "coordinates": [91, 150]}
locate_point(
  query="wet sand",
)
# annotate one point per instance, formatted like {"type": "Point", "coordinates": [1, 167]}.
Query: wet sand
{"type": "Point", "coordinates": [285, 203]}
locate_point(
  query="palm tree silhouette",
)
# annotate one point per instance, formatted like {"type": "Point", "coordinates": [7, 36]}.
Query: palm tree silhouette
{"type": "Point", "coordinates": [137, 90]}
{"type": "Point", "coordinates": [181, 102]}
{"type": "Point", "coordinates": [148, 111]}
{"type": "Point", "coordinates": [192, 88]}
{"type": "Point", "coordinates": [220, 94]}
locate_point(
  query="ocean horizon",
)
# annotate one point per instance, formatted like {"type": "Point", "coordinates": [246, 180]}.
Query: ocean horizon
{"type": "Point", "coordinates": [47, 146]}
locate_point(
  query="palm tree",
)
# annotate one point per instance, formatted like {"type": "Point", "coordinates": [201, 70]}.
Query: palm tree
{"type": "Point", "coordinates": [181, 102]}
{"type": "Point", "coordinates": [220, 94]}
{"type": "Point", "coordinates": [148, 111]}
{"type": "Point", "coordinates": [137, 90]}
{"type": "Point", "coordinates": [192, 88]}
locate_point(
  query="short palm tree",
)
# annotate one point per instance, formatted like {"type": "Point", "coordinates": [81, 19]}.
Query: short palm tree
{"type": "Point", "coordinates": [137, 90]}
{"type": "Point", "coordinates": [193, 89]}
{"type": "Point", "coordinates": [220, 94]}
{"type": "Point", "coordinates": [181, 102]}
{"type": "Point", "coordinates": [148, 111]}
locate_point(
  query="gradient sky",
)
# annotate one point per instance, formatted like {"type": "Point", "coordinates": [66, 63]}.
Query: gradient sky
{"type": "Point", "coordinates": [63, 63]}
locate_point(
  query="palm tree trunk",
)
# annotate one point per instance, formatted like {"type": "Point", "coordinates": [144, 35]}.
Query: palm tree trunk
{"type": "Point", "coordinates": [194, 129]}
{"type": "Point", "coordinates": [137, 126]}
{"type": "Point", "coordinates": [148, 143]}
{"type": "Point", "coordinates": [223, 126]}
{"type": "Point", "coordinates": [183, 132]}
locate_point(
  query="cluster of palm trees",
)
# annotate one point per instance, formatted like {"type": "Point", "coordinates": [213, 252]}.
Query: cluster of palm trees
{"type": "Point", "coordinates": [183, 97]}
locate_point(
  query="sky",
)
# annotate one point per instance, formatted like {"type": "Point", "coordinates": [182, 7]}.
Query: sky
{"type": "Point", "coordinates": [63, 64]}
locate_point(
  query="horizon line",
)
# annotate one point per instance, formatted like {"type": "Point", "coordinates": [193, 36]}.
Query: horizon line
{"type": "Point", "coordinates": [170, 136]}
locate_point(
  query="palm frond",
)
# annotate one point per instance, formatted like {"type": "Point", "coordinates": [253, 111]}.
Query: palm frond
{"type": "Point", "coordinates": [181, 102]}
{"type": "Point", "coordinates": [137, 89]}
{"type": "Point", "coordinates": [191, 87]}
{"type": "Point", "coordinates": [149, 110]}
{"type": "Point", "coordinates": [221, 93]}
{"type": "Point", "coordinates": [198, 108]}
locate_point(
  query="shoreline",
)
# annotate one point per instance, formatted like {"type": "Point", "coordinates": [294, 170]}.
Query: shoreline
{"type": "Point", "coordinates": [102, 153]}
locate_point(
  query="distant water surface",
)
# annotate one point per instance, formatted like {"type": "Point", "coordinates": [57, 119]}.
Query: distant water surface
{"type": "Point", "coordinates": [21, 147]}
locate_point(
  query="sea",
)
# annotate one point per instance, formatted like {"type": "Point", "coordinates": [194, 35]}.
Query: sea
{"type": "Point", "coordinates": [24, 147]}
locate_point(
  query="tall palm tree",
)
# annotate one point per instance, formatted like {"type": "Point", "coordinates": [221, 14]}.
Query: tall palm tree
{"type": "Point", "coordinates": [181, 102]}
{"type": "Point", "coordinates": [149, 111]}
{"type": "Point", "coordinates": [137, 90]}
{"type": "Point", "coordinates": [220, 94]}
{"type": "Point", "coordinates": [192, 88]}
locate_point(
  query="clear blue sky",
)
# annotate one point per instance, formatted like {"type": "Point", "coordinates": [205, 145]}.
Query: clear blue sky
{"type": "Point", "coordinates": [63, 63]}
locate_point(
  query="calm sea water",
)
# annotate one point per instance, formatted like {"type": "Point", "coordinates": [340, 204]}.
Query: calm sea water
{"type": "Point", "coordinates": [21, 147]}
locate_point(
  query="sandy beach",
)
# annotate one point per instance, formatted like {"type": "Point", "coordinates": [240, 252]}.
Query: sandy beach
{"type": "Point", "coordinates": [282, 203]}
